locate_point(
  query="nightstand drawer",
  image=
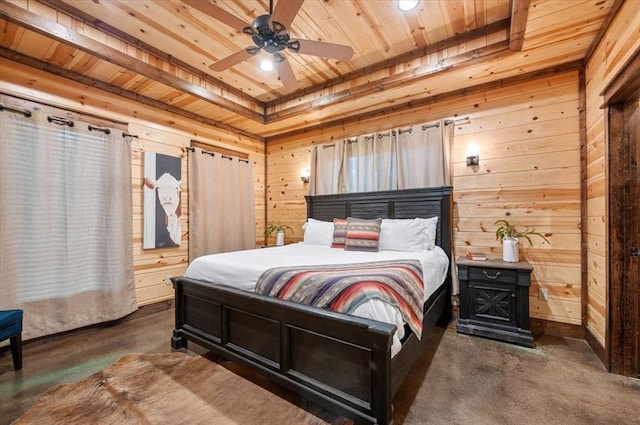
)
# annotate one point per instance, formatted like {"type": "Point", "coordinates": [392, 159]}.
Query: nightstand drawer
{"type": "Point", "coordinates": [493, 275]}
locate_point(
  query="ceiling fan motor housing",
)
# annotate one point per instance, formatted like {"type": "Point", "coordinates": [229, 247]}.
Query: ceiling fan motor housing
{"type": "Point", "coordinates": [272, 37]}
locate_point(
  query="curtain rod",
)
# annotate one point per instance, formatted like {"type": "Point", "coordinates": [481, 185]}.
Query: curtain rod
{"type": "Point", "coordinates": [82, 115]}
{"type": "Point", "coordinates": [17, 111]}
{"type": "Point", "coordinates": [230, 158]}
{"type": "Point", "coordinates": [460, 121]}
{"type": "Point", "coordinates": [220, 150]}
{"type": "Point", "coordinates": [391, 133]}
{"type": "Point", "coordinates": [466, 119]}
{"type": "Point", "coordinates": [202, 151]}
{"type": "Point", "coordinates": [60, 121]}
{"type": "Point", "coordinates": [104, 130]}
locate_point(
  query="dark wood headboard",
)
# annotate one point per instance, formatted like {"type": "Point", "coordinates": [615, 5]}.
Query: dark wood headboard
{"type": "Point", "coordinates": [407, 203]}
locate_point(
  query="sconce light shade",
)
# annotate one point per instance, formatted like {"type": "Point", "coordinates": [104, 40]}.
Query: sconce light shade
{"type": "Point", "coordinates": [304, 175]}
{"type": "Point", "coordinates": [473, 160]}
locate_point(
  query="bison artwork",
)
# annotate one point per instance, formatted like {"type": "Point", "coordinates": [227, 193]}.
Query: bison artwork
{"type": "Point", "coordinates": [162, 199]}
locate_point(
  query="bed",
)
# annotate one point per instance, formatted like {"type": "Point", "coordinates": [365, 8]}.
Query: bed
{"type": "Point", "coordinates": [342, 362]}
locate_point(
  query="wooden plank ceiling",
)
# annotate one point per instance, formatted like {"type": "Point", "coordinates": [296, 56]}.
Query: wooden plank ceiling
{"type": "Point", "coordinates": [159, 52]}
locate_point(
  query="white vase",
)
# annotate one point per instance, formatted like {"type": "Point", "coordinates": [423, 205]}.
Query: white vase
{"type": "Point", "coordinates": [279, 238]}
{"type": "Point", "coordinates": [510, 250]}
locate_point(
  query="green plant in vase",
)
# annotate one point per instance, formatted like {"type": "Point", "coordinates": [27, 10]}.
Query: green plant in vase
{"type": "Point", "coordinates": [279, 230]}
{"type": "Point", "coordinates": [509, 236]}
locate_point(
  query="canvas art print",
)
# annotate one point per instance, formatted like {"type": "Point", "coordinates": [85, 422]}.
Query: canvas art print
{"type": "Point", "coordinates": [162, 225]}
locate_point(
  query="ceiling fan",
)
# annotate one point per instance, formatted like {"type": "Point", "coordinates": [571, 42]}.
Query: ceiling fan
{"type": "Point", "coordinates": [270, 33]}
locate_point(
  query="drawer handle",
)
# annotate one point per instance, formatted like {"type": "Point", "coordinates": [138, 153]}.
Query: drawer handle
{"type": "Point", "coordinates": [484, 272]}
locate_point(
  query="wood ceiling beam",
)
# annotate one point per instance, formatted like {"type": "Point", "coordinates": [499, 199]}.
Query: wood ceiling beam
{"type": "Point", "coordinates": [498, 26]}
{"type": "Point", "coordinates": [83, 79]}
{"type": "Point", "coordinates": [43, 26]}
{"type": "Point", "coordinates": [397, 80]}
{"type": "Point", "coordinates": [518, 24]}
{"type": "Point", "coordinates": [64, 35]}
{"type": "Point", "coordinates": [431, 100]}
{"type": "Point", "coordinates": [96, 23]}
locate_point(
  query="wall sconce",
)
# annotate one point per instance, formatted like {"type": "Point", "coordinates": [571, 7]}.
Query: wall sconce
{"type": "Point", "coordinates": [473, 160]}
{"type": "Point", "coordinates": [472, 155]}
{"type": "Point", "coordinates": [304, 175]}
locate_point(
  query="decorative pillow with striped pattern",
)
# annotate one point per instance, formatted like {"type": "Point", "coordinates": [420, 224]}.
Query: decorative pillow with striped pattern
{"type": "Point", "coordinates": [339, 232]}
{"type": "Point", "coordinates": [362, 235]}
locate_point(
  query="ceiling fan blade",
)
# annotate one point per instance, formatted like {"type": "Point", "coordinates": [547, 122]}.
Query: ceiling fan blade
{"type": "Point", "coordinates": [224, 63]}
{"type": "Point", "coordinates": [215, 12]}
{"type": "Point", "coordinates": [286, 75]}
{"type": "Point", "coordinates": [325, 50]}
{"type": "Point", "coordinates": [286, 11]}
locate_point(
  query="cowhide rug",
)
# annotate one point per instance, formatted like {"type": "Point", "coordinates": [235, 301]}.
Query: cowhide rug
{"type": "Point", "coordinates": [170, 388]}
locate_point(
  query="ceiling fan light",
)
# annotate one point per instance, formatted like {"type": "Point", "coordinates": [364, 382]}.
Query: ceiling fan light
{"type": "Point", "coordinates": [406, 5]}
{"type": "Point", "coordinates": [266, 65]}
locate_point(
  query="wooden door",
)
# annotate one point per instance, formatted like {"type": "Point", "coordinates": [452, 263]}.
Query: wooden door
{"type": "Point", "coordinates": [634, 264]}
{"type": "Point", "coordinates": [636, 245]}
{"type": "Point", "coordinates": [624, 236]}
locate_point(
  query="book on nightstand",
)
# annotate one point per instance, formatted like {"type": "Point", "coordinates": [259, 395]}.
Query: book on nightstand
{"type": "Point", "coordinates": [476, 256]}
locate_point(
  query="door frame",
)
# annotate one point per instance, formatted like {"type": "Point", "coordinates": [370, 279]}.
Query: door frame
{"type": "Point", "coordinates": [621, 97]}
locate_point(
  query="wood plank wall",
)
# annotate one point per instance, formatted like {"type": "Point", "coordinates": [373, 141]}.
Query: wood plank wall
{"type": "Point", "coordinates": [620, 41]}
{"type": "Point", "coordinates": [157, 131]}
{"type": "Point", "coordinates": [527, 133]}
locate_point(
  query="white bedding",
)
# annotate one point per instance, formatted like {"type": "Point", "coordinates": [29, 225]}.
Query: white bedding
{"type": "Point", "coordinates": [241, 269]}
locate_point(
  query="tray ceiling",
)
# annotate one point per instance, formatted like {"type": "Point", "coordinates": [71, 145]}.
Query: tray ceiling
{"type": "Point", "coordinates": [159, 52]}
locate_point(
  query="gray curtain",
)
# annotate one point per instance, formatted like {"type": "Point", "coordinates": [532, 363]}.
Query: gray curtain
{"type": "Point", "coordinates": [221, 204]}
{"type": "Point", "coordinates": [65, 223]}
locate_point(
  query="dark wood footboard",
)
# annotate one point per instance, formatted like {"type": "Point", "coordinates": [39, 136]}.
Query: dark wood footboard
{"type": "Point", "coordinates": [341, 362]}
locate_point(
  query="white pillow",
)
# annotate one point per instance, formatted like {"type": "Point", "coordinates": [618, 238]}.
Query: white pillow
{"type": "Point", "coordinates": [318, 232]}
{"type": "Point", "coordinates": [431, 225]}
{"type": "Point", "coordinates": [404, 235]}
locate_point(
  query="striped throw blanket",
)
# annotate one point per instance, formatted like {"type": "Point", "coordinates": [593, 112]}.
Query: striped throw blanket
{"type": "Point", "coordinates": [344, 287]}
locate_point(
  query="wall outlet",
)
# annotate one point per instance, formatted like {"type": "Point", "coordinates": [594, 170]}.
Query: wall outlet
{"type": "Point", "coordinates": [167, 280]}
{"type": "Point", "coordinates": [543, 294]}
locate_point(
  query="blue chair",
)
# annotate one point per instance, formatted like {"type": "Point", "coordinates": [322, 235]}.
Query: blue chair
{"type": "Point", "coordinates": [11, 328]}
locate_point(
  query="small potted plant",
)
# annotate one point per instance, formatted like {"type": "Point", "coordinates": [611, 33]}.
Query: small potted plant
{"type": "Point", "coordinates": [279, 230]}
{"type": "Point", "coordinates": [508, 235]}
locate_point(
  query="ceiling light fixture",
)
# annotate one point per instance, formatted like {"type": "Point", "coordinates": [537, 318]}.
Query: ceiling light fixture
{"type": "Point", "coordinates": [266, 65]}
{"type": "Point", "coordinates": [406, 5]}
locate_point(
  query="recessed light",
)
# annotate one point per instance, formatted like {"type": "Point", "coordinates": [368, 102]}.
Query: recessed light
{"type": "Point", "coordinates": [406, 5]}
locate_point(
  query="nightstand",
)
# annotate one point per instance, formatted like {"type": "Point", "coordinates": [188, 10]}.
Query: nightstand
{"type": "Point", "coordinates": [494, 300]}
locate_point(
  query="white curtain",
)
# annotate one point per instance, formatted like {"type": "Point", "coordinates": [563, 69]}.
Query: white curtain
{"type": "Point", "coordinates": [221, 204]}
{"type": "Point", "coordinates": [65, 223]}
{"type": "Point", "coordinates": [370, 163]}
{"type": "Point", "coordinates": [326, 169]}
{"type": "Point", "coordinates": [424, 155]}
{"type": "Point", "coordinates": [417, 156]}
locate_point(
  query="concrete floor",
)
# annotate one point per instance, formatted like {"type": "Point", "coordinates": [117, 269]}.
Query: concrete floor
{"type": "Point", "coordinates": [459, 379]}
